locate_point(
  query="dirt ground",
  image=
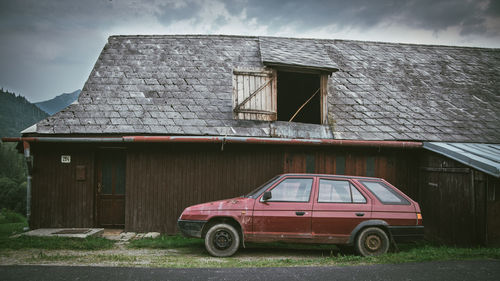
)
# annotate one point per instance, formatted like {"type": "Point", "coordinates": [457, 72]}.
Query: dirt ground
{"type": "Point", "coordinates": [182, 257]}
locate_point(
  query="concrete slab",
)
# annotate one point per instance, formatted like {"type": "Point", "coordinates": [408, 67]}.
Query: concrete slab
{"type": "Point", "coordinates": [118, 235]}
{"type": "Point", "coordinates": [66, 232]}
{"type": "Point", "coordinates": [152, 235]}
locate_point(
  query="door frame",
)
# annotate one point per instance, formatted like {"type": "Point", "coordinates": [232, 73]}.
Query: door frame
{"type": "Point", "coordinates": [98, 154]}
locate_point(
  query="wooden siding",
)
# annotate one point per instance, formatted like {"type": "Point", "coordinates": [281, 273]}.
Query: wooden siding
{"type": "Point", "coordinates": [164, 179]}
{"type": "Point", "coordinates": [493, 211]}
{"type": "Point", "coordinates": [395, 166]}
{"type": "Point", "coordinates": [59, 198]}
{"type": "Point", "coordinates": [453, 198]}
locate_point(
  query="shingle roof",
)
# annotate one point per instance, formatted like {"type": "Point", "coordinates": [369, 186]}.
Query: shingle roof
{"type": "Point", "coordinates": [172, 84]}
{"type": "Point", "coordinates": [295, 52]}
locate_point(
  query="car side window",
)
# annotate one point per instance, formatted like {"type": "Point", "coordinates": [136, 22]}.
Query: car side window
{"type": "Point", "coordinates": [339, 191]}
{"type": "Point", "coordinates": [292, 190]}
{"type": "Point", "coordinates": [385, 194]}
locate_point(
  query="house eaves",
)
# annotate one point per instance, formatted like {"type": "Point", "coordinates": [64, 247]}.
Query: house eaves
{"type": "Point", "coordinates": [481, 156]}
{"type": "Point", "coordinates": [295, 54]}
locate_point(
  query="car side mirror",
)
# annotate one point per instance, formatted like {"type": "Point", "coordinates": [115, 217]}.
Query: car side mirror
{"type": "Point", "coordinates": [267, 195]}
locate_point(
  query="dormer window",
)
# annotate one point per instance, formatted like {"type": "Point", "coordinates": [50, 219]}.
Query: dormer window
{"type": "Point", "coordinates": [280, 94]}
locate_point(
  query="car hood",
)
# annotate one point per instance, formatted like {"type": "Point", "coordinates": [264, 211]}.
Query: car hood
{"type": "Point", "coordinates": [238, 203]}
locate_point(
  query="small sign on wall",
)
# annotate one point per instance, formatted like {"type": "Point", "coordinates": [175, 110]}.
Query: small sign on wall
{"type": "Point", "coordinates": [66, 159]}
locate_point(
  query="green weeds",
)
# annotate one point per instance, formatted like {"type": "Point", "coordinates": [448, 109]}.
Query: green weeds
{"type": "Point", "coordinates": [178, 251]}
{"type": "Point", "coordinates": [166, 242]}
{"type": "Point", "coordinates": [50, 243]}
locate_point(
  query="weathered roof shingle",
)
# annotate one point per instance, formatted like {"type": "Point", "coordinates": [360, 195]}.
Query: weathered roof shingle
{"type": "Point", "coordinates": [182, 85]}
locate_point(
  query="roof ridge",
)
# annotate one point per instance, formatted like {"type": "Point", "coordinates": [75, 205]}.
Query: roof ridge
{"type": "Point", "coordinates": [180, 36]}
{"type": "Point", "coordinates": [379, 42]}
{"type": "Point", "coordinates": [322, 40]}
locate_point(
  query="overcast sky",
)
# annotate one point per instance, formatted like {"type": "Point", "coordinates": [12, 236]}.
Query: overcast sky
{"type": "Point", "coordinates": [49, 47]}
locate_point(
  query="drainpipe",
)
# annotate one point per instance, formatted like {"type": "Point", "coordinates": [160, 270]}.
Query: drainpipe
{"type": "Point", "coordinates": [220, 139]}
{"type": "Point", "coordinates": [29, 166]}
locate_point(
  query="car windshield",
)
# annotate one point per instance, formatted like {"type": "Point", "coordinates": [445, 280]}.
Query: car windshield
{"type": "Point", "coordinates": [256, 192]}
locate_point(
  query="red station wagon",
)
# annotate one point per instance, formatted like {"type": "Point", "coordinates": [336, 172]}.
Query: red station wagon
{"type": "Point", "coordinates": [367, 213]}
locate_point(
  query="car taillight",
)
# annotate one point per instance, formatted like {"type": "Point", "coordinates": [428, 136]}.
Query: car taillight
{"type": "Point", "coordinates": [419, 219]}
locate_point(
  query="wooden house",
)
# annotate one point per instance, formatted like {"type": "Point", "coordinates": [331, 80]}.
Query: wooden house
{"type": "Point", "coordinates": [164, 122]}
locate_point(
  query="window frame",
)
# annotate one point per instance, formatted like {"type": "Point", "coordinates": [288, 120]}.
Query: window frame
{"type": "Point", "coordinates": [388, 187]}
{"type": "Point", "coordinates": [351, 185]}
{"type": "Point", "coordinates": [282, 180]}
{"type": "Point", "coordinates": [272, 72]}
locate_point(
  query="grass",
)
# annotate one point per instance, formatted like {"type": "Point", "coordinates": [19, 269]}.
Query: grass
{"type": "Point", "coordinates": [56, 243]}
{"type": "Point", "coordinates": [48, 243]}
{"type": "Point", "coordinates": [252, 257]}
{"type": "Point", "coordinates": [166, 242]}
{"type": "Point", "coordinates": [178, 251]}
{"type": "Point", "coordinates": [284, 254]}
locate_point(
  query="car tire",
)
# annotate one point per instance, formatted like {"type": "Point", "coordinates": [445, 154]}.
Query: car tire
{"type": "Point", "coordinates": [222, 240]}
{"type": "Point", "coordinates": [372, 241]}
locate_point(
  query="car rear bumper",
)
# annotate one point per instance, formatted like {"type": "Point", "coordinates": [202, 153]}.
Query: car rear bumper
{"type": "Point", "coordinates": [191, 228]}
{"type": "Point", "coordinates": [406, 233]}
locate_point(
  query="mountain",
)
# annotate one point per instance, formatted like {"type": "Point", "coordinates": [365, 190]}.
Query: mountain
{"type": "Point", "coordinates": [58, 103]}
{"type": "Point", "coordinates": [17, 114]}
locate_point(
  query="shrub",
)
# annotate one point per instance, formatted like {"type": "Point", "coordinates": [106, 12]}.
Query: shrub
{"type": "Point", "coordinates": [8, 216]}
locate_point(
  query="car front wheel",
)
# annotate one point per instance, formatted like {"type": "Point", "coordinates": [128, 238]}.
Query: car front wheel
{"type": "Point", "coordinates": [222, 240]}
{"type": "Point", "coordinates": [372, 241]}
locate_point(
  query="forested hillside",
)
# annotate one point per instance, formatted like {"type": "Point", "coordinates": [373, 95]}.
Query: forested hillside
{"type": "Point", "coordinates": [12, 179]}
{"type": "Point", "coordinates": [17, 114]}
{"type": "Point", "coordinates": [58, 103]}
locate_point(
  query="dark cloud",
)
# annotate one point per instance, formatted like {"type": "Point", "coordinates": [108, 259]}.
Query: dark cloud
{"type": "Point", "coordinates": [435, 15]}
{"type": "Point", "coordinates": [179, 10]}
{"type": "Point", "coordinates": [50, 46]}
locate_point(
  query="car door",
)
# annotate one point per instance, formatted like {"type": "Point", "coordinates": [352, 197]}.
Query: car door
{"type": "Point", "coordinates": [286, 216]}
{"type": "Point", "coordinates": [338, 208]}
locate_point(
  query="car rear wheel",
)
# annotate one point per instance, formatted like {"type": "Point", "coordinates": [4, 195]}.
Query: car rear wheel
{"type": "Point", "coordinates": [222, 240]}
{"type": "Point", "coordinates": [372, 241]}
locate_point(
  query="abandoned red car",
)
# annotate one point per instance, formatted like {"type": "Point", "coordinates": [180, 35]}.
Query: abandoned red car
{"type": "Point", "coordinates": [365, 213]}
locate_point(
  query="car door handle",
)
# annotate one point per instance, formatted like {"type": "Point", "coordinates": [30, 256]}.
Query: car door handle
{"type": "Point", "coordinates": [360, 214]}
{"type": "Point", "coordinates": [300, 213]}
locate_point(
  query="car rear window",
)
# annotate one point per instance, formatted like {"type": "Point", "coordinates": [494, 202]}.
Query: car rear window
{"type": "Point", "coordinates": [385, 194]}
{"type": "Point", "coordinates": [338, 191]}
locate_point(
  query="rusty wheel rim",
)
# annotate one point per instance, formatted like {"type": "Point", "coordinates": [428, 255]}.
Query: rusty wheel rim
{"type": "Point", "coordinates": [373, 242]}
{"type": "Point", "coordinates": [222, 239]}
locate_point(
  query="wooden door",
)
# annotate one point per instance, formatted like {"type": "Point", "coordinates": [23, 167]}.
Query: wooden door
{"type": "Point", "coordinates": [447, 202]}
{"type": "Point", "coordinates": [110, 189]}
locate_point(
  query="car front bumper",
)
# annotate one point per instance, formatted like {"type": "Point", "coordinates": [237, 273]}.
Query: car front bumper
{"type": "Point", "coordinates": [406, 233]}
{"type": "Point", "coordinates": [191, 228]}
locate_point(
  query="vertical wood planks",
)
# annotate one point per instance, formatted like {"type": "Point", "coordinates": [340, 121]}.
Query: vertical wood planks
{"type": "Point", "coordinates": [58, 198]}
{"type": "Point", "coordinates": [253, 104]}
{"type": "Point", "coordinates": [183, 175]}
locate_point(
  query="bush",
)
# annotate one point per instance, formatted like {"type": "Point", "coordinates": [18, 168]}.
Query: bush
{"type": "Point", "coordinates": [12, 179]}
{"type": "Point", "coordinates": [8, 216]}
{"type": "Point", "coordinates": [12, 195]}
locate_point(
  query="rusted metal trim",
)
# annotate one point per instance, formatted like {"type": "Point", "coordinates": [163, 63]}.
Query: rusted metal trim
{"type": "Point", "coordinates": [220, 139]}
{"type": "Point", "coordinates": [63, 139]}
{"type": "Point", "coordinates": [285, 141]}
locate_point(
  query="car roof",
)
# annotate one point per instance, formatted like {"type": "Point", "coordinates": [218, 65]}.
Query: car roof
{"type": "Point", "coordinates": [330, 175]}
